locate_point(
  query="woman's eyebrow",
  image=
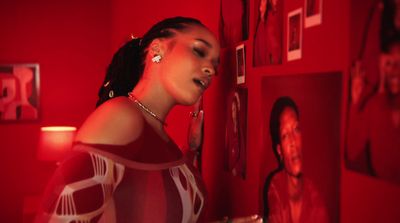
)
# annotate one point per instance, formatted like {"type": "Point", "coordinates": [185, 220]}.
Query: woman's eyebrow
{"type": "Point", "coordinates": [205, 42]}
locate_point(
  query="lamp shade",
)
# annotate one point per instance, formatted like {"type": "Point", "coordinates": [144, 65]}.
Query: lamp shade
{"type": "Point", "coordinates": [55, 142]}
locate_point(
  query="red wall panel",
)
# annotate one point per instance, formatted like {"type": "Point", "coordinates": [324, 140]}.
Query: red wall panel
{"type": "Point", "coordinates": [70, 40]}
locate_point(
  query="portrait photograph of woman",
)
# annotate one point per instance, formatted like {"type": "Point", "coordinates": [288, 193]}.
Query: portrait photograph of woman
{"type": "Point", "coordinates": [301, 134]}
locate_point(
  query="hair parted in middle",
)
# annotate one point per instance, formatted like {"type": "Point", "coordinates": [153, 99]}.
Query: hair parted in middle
{"type": "Point", "coordinates": [128, 62]}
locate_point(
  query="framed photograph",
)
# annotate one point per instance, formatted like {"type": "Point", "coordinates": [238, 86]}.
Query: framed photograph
{"type": "Point", "coordinates": [313, 14]}
{"type": "Point", "coordinates": [240, 64]}
{"type": "Point", "coordinates": [372, 130]}
{"type": "Point", "coordinates": [19, 92]}
{"type": "Point", "coordinates": [236, 132]}
{"type": "Point", "coordinates": [268, 33]}
{"type": "Point", "coordinates": [294, 34]}
{"type": "Point", "coordinates": [233, 22]}
{"type": "Point", "coordinates": [301, 138]}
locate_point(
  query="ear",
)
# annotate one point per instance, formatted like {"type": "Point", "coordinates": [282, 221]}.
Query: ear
{"type": "Point", "coordinates": [279, 150]}
{"type": "Point", "coordinates": [157, 47]}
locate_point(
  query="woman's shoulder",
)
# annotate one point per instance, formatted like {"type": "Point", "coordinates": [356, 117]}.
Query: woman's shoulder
{"type": "Point", "coordinates": [118, 121]}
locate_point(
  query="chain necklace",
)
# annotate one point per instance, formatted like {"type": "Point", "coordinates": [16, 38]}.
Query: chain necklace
{"type": "Point", "coordinates": [142, 106]}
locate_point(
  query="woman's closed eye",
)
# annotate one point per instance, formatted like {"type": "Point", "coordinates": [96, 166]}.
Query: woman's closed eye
{"type": "Point", "coordinates": [199, 52]}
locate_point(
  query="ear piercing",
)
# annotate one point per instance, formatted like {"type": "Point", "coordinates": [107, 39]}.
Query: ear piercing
{"type": "Point", "coordinates": [111, 94]}
{"type": "Point", "coordinates": [156, 58]}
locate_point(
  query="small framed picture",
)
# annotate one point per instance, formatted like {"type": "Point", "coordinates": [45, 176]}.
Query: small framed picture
{"type": "Point", "coordinates": [240, 64]}
{"type": "Point", "coordinates": [294, 34]}
{"type": "Point", "coordinates": [236, 132]}
{"type": "Point", "coordinates": [313, 14]}
{"type": "Point", "coordinates": [19, 92]}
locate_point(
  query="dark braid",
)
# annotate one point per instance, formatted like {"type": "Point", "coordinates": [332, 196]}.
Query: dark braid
{"type": "Point", "coordinates": [127, 64]}
{"type": "Point", "coordinates": [122, 73]}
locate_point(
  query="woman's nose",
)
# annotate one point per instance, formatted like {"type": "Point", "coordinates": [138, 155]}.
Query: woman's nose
{"type": "Point", "coordinates": [209, 71]}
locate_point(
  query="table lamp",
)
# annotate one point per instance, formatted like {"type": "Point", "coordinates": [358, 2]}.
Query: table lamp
{"type": "Point", "coordinates": [55, 142]}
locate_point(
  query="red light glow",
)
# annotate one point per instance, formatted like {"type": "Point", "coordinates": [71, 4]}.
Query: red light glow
{"type": "Point", "coordinates": [57, 128]}
{"type": "Point", "coordinates": [55, 142]}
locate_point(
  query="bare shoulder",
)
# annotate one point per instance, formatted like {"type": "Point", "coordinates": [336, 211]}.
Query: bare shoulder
{"type": "Point", "coordinates": [115, 122]}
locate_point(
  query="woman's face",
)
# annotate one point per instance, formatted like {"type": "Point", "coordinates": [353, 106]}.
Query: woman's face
{"type": "Point", "coordinates": [290, 148]}
{"type": "Point", "coordinates": [189, 64]}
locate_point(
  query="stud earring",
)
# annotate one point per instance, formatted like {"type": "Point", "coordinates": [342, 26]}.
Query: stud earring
{"type": "Point", "coordinates": [156, 59]}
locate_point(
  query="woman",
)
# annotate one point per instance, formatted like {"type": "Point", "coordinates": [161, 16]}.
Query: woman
{"type": "Point", "coordinates": [125, 168]}
{"type": "Point", "coordinates": [289, 195]}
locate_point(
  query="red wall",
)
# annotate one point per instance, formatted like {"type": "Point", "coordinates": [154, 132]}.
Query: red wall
{"type": "Point", "coordinates": [73, 42]}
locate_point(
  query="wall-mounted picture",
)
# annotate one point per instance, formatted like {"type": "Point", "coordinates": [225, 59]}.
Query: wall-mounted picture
{"type": "Point", "coordinates": [240, 64]}
{"type": "Point", "coordinates": [268, 38]}
{"type": "Point", "coordinates": [294, 34]}
{"type": "Point", "coordinates": [313, 14]}
{"type": "Point", "coordinates": [301, 147]}
{"type": "Point", "coordinates": [236, 133]}
{"type": "Point", "coordinates": [19, 92]}
{"type": "Point", "coordinates": [373, 129]}
{"type": "Point", "coordinates": [233, 22]}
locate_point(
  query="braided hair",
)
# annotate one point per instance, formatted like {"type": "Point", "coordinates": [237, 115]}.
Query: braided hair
{"type": "Point", "coordinates": [127, 64]}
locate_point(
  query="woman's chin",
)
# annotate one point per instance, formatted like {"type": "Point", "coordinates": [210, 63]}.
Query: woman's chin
{"type": "Point", "coordinates": [189, 100]}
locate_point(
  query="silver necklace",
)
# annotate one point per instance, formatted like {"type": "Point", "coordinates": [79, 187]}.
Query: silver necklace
{"type": "Point", "coordinates": [142, 106]}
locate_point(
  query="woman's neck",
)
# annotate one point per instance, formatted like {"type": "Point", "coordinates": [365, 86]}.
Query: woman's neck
{"type": "Point", "coordinates": [154, 100]}
{"type": "Point", "coordinates": [295, 187]}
